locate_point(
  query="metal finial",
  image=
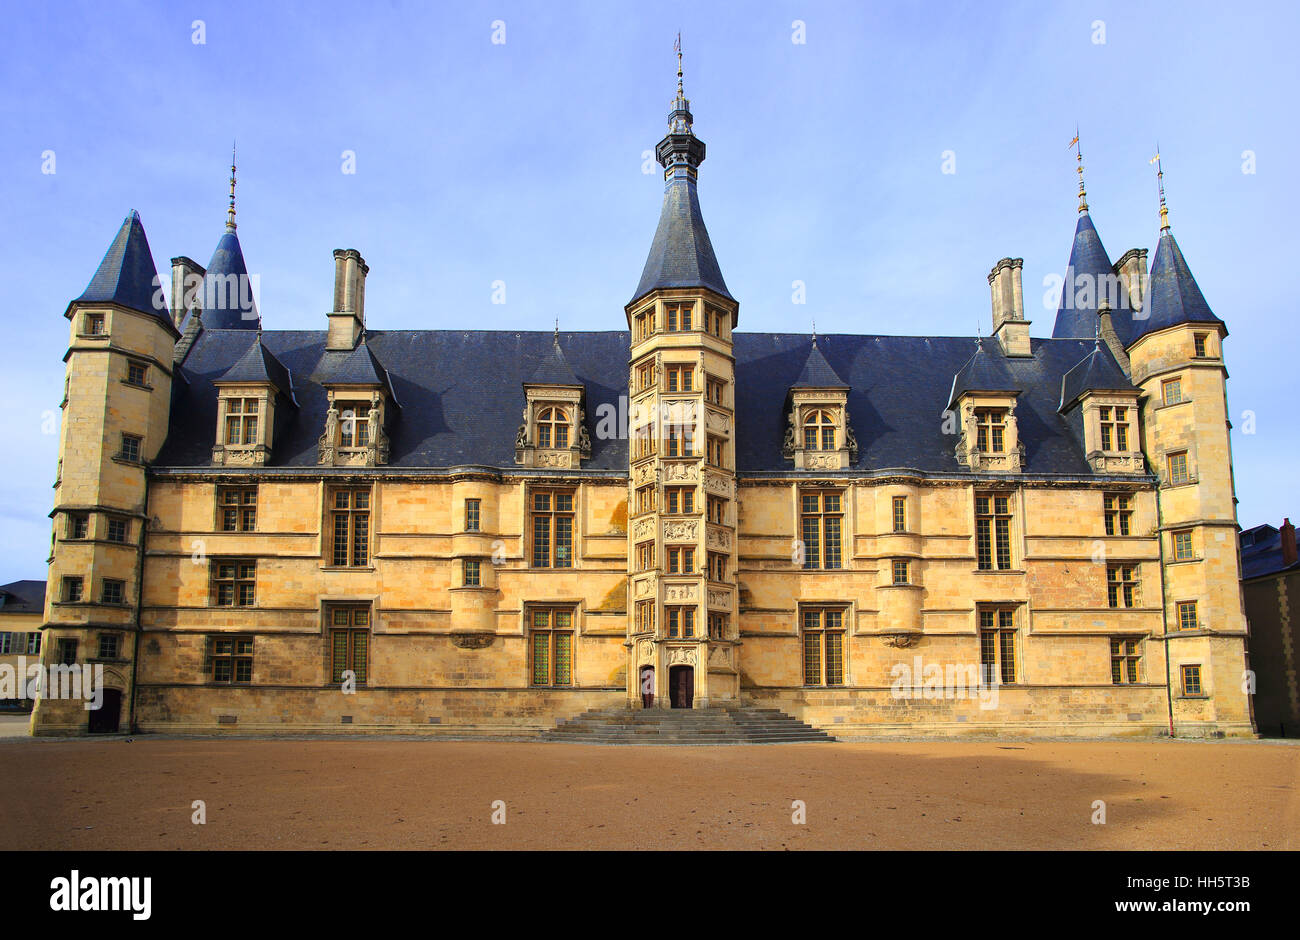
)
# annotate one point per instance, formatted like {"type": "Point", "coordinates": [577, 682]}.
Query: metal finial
{"type": "Point", "coordinates": [814, 331]}
{"type": "Point", "coordinates": [230, 216]}
{"type": "Point", "coordinates": [1160, 182]}
{"type": "Point", "coordinates": [1083, 193]}
{"type": "Point", "coordinates": [677, 47]}
{"type": "Point", "coordinates": [557, 331]}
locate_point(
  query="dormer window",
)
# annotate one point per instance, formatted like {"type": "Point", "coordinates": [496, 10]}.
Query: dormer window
{"type": "Point", "coordinates": [354, 423]}
{"type": "Point", "coordinates": [241, 422]}
{"type": "Point", "coordinates": [552, 429]}
{"type": "Point", "coordinates": [990, 430]}
{"type": "Point", "coordinates": [1114, 428]}
{"type": "Point", "coordinates": [819, 431]}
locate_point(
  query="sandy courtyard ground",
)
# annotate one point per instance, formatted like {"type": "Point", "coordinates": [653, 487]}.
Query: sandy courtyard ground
{"type": "Point", "coordinates": [403, 794]}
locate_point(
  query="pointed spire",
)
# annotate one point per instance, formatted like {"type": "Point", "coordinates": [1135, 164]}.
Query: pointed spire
{"type": "Point", "coordinates": [127, 275]}
{"type": "Point", "coordinates": [1173, 296]}
{"type": "Point", "coordinates": [1160, 184]}
{"type": "Point", "coordinates": [681, 254]}
{"type": "Point", "coordinates": [817, 372]}
{"type": "Point", "coordinates": [554, 369]}
{"type": "Point", "coordinates": [230, 216]}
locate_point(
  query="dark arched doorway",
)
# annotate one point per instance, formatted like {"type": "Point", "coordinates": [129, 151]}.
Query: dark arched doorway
{"type": "Point", "coordinates": [681, 686]}
{"type": "Point", "coordinates": [647, 688]}
{"type": "Point", "coordinates": [104, 720]}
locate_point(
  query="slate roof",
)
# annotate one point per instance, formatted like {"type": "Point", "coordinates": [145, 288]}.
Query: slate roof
{"type": "Point", "coordinates": [1173, 296]}
{"type": "Point", "coordinates": [681, 254]}
{"type": "Point", "coordinates": [259, 365]}
{"type": "Point", "coordinates": [227, 294]}
{"type": "Point", "coordinates": [1263, 555]}
{"type": "Point", "coordinates": [985, 371]}
{"type": "Point", "coordinates": [1097, 372]}
{"type": "Point", "coordinates": [1076, 315]}
{"type": "Point", "coordinates": [817, 372]}
{"type": "Point", "coordinates": [462, 396]}
{"type": "Point", "coordinates": [22, 597]}
{"type": "Point", "coordinates": [357, 366]}
{"type": "Point", "coordinates": [127, 275]}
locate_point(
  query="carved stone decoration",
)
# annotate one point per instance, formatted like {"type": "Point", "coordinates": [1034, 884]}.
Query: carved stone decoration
{"type": "Point", "coordinates": [553, 458]}
{"type": "Point", "coordinates": [643, 529]}
{"type": "Point", "coordinates": [681, 472]}
{"type": "Point", "coordinates": [717, 421]}
{"type": "Point", "coordinates": [325, 446]}
{"type": "Point", "coordinates": [678, 655]}
{"type": "Point", "coordinates": [717, 538]}
{"type": "Point", "coordinates": [787, 445]}
{"type": "Point", "coordinates": [645, 651]}
{"type": "Point", "coordinates": [584, 438]}
{"type": "Point", "coordinates": [719, 599]}
{"type": "Point", "coordinates": [644, 474]}
{"type": "Point", "coordinates": [718, 485]}
{"type": "Point", "coordinates": [902, 640]}
{"type": "Point", "coordinates": [849, 437]}
{"type": "Point", "coordinates": [679, 593]}
{"type": "Point", "coordinates": [680, 531]}
{"type": "Point", "coordinates": [472, 641]}
{"type": "Point", "coordinates": [821, 462]}
{"type": "Point", "coordinates": [642, 587]}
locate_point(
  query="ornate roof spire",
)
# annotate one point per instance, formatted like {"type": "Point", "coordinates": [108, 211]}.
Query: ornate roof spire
{"type": "Point", "coordinates": [1160, 182]}
{"type": "Point", "coordinates": [230, 214]}
{"type": "Point", "coordinates": [1083, 192]}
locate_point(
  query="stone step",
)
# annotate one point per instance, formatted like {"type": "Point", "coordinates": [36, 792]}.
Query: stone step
{"type": "Point", "coordinates": [713, 726]}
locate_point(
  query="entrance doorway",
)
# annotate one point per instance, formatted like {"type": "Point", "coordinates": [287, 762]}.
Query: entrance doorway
{"type": "Point", "coordinates": [681, 683]}
{"type": "Point", "coordinates": [647, 686]}
{"type": "Point", "coordinates": [104, 719]}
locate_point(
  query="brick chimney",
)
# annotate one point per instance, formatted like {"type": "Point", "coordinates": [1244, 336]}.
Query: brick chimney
{"type": "Point", "coordinates": [1287, 532]}
{"type": "Point", "coordinates": [187, 284]}
{"type": "Point", "coordinates": [1009, 323]}
{"type": "Point", "coordinates": [348, 318]}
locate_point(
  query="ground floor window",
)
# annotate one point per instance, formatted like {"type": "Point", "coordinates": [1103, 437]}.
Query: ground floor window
{"type": "Point", "coordinates": [230, 659]}
{"type": "Point", "coordinates": [551, 645]}
{"type": "Point", "coordinates": [349, 642]}
{"type": "Point", "coordinates": [1192, 680]}
{"type": "Point", "coordinates": [1125, 657]}
{"type": "Point", "coordinates": [823, 645]}
{"type": "Point", "coordinates": [998, 644]}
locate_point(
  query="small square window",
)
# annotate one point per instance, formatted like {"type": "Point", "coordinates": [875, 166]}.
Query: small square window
{"type": "Point", "coordinates": [109, 645]}
{"type": "Point", "coordinates": [72, 589]}
{"type": "Point", "coordinates": [900, 571]}
{"type": "Point", "coordinates": [1187, 615]}
{"type": "Point", "coordinates": [113, 591]}
{"type": "Point", "coordinates": [137, 373]}
{"type": "Point", "coordinates": [117, 530]}
{"type": "Point", "coordinates": [93, 325]}
{"type": "Point", "coordinates": [1183, 545]}
{"type": "Point", "coordinates": [1171, 391]}
{"type": "Point", "coordinates": [1192, 680]}
{"type": "Point", "coordinates": [1177, 464]}
{"type": "Point", "coordinates": [130, 448]}
{"type": "Point", "coordinates": [78, 525]}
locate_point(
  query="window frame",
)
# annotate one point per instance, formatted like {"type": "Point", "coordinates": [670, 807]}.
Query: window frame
{"type": "Point", "coordinates": [820, 633]}
{"type": "Point", "coordinates": [236, 658]}
{"type": "Point", "coordinates": [816, 550]}
{"type": "Point", "coordinates": [473, 515]}
{"type": "Point", "coordinates": [993, 531]}
{"type": "Point", "coordinates": [353, 515]}
{"type": "Point", "coordinates": [999, 634]}
{"type": "Point", "coordinates": [550, 557]}
{"type": "Point", "coordinates": [1123, 585]}
{"type": "Point", "coordinates": [357, 623]}
{"type": "Point", "coordinates": [1126, 660]}
{"type": "Point", "coordinates": [233, 501]}
{"type": "Point", "coordinates": [553, 632]}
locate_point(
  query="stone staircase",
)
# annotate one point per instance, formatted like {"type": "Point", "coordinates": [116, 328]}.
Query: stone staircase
{"type": "Point", "coordinates": [685, 726]}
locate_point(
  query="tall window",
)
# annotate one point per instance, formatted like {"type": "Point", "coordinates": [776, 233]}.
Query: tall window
{"type": "Point", "coordinates": [823, 646]}
{"type": "Point", "coordinates": [679, 499]}
{"type": "Point", "coordinates": [714, 390]}
{"type": "Point", "coordinates": [990, 428]}
{"type": "Point", "coordinates": [645, 556]}
{"type": "Point", "coordinates": [717, 566]}
{"type": "Point", "coordinates": [900, 513]}
{"type": "Point", "coordinates": [241, 421]}
{"type": "Point", "coordinates": [820, 524]}
{"type": "Point", "coordinates": [717, 626]}
{"type": "Point", "coordinates": [819, 431]}
{"type": "Point", "coordinates": [553, 428]}
{"type": "Point", "coordinates": [233, 583]}
{"type": "Point", "coordinates": [716, 449]}
{"type": "Point", "coordinates": [237, 508]}
{"type": "Point", "coordinates": [1199, 342]}
{"type": "Point", "coordinates": [680, 378]}
{"type": "Point", "coordinates": [66, 652]}
{"type": "Point", "coordinates": [645, 324]}
{"type": "Point", "coordinates": [713, 320]}
{"type": "Point", "coordinates": [351, 528]}
{"type": "Point", "coordinates": [681, 621]}
{"type": "Point", "coordinates": [1187, 615]}
{"type": "Point", "coordinates": [1118, 512]}
{"type": "Point", "coordinates": [552, 646]}
{"type": "Point", "coordinates": [552, 514]}
{"type": "Point", "coordinates": [33, 644]}
{"type": "Point", "coordinates": [679, 316]}
{"type": "Point", "coordinates": [645, 617]}
{"type": "Point", "coordinates": [644, 443]}
{"type": "Point", "coordinates": [717, 510]}
{"type": "Point", "coordinates": [1125, 655]}
{"type": "Point", "coordinates": [471, 515]}
{"type": "Point", "coordinates": [681, 441]}
{"type": "Point", "coordinates": [1192, 680]}
{"type": "Point", "coordinates": [349, 641]}
{"type": "Point", "coordinates": [1114, 428]}
{"type": "Point", "coordinates": [645, 376]}
{"type": "Point", "coordinates": [993, 531]}
{"type": "Point", "coordinates": [645, 499]}
{"type": "Point", "coordinates": [1183, 545]}
{"type": "Point", "coordinates": [998, 644]}
{"type": "Point", "coordinates": [1122, 585]}
{"type": "Point", "coordinates": [354, 424]}
{"type": "Point", "coordinates": [901, 570]}
{"type": "Point", "coordinates": [1177, 464]}
{"type": "Point", "coordinates": [470, 573]}
{"type": "Point", "coordinates": [681, 560]}
{"type": "Point", "coordinates": [230, 659]}
{"type": "Point", "coordinates": [1171, 391]}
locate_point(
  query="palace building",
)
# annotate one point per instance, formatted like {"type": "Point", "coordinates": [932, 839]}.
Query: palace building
{"type": "Point", "coordinates": [459, 531]}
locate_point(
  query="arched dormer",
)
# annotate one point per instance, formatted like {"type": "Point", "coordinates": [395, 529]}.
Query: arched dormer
{"type": "Point", "coordinates": [982, 410]}
{"type": "Point", "coordinates": [818, 434]}
{"type": "Point", "coordinates": [253, 397]}
{"type": "Point", "coordinates": [362, 407]}
{"type": "Point", "coordinates": [553, 432]}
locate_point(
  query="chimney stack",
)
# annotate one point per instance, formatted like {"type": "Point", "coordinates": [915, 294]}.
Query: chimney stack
{"type": "Point", "coordinates": [1009, 323]}
{"type": "Point", "coordinates": [1106, 328]}
{"type": "Point", "coordinates": [187, 293]}
{"type": "Point", "coordinates": [348, 318]}
{"type": "Point", "coordinates": [1132, 272]}
{"type": "Point", "coordinates": [1288, 543]}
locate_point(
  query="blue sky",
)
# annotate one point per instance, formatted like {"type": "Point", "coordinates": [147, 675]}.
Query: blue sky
{"type": "Point", "coordinates": [522, 162]}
